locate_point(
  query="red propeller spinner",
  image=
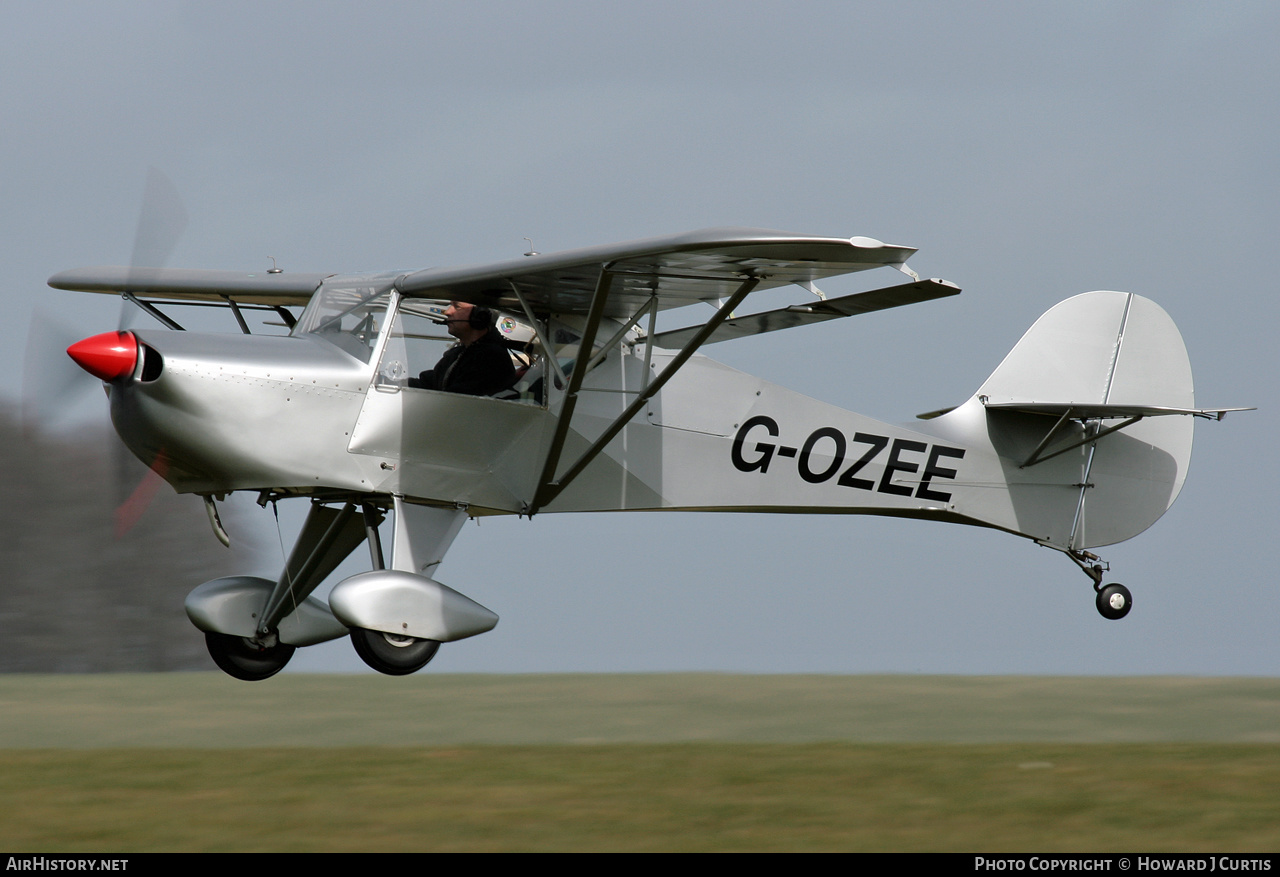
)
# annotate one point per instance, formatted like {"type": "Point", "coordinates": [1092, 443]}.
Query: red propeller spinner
{"type": "Point", "coordinates": [108, 357]}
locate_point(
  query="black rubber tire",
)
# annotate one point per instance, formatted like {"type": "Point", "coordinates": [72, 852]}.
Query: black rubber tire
{"type": "Point", "coordinates": [1114, 601]}
{"type": "Point", "coordinates": [391, 654]}
{"type": "Point", "coordinates": [244, 659]}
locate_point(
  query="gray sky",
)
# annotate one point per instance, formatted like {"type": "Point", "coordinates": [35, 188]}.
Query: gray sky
{"type": "Point", "coordinates": [1031, 151]}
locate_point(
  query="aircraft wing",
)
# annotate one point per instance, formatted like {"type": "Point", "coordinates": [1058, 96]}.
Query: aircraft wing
{"type": "Point", "coordinates": [679, 270]}
{"type": "Point", "coordinates": [814, 312]}
{"type": "Point", "coordinates": [245, 287]}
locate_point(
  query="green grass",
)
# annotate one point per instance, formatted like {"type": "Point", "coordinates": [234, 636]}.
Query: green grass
{"type": "Point", "coordinates": [210, 710]}
{"type": "Point", "coordinates": [192, 762]}
{"type": "Point", "coordinates": [779, 797]}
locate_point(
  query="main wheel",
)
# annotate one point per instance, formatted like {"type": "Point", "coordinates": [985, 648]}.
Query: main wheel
{"type": "Point", "coordinates": [245, 659]}
{"type": "Point", "coordinates": [1114, 601]}
{"type": "Point", "coordinates": [391, 653]}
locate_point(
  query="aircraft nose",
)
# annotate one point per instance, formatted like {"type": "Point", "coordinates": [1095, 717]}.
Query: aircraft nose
{"type": "Point", "coordinates": [108, 357]}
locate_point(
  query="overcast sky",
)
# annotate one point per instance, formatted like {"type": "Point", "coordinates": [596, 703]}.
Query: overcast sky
{"type": "Point", "coordinates": [1031, 151]}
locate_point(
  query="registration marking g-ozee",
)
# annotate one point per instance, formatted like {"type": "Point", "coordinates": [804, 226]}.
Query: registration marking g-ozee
{"type": "Point", "coordinates": [830, 443]}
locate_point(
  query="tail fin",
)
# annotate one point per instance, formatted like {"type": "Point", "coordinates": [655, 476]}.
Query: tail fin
{"type": "Point", "coordinates": [1075, 403]}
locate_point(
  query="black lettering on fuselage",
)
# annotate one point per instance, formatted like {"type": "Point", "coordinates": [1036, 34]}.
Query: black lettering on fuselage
{"type": "Point", "coordinates": [836, 458]}
{"type": "Point", "coordinates": [897, 464]}
{"type": "Point", "coordinates": [932, 470]}
{"type": "Point", "coordinates": [877, 443]}
{"type": "Point", "coordinates": [829, 443]}
{"type": "Point", "coordinates": [760, 463]}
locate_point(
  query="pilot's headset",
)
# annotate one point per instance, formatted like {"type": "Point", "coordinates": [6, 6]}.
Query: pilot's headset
{"type": "Point", "coordinates": [481, 318]}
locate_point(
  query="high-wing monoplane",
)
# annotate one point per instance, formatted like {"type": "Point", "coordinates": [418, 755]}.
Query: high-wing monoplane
{"type": "Point", "coordinates": [1080, 438]}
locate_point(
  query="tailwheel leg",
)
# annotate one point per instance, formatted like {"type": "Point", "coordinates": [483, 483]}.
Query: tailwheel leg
{"type": "Point", "coordinates": [1114, 600]}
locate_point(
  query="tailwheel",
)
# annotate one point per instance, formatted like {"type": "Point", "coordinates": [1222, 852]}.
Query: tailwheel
{"type": "Point", "coordinates": [246, 658]}
{"type": "Point", "coordinates": [392, 653]}
{"type": "Point", "coordinates": [1114, 601]}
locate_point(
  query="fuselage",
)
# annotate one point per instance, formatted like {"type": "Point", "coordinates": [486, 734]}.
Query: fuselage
{"type": "Point", "coordinates": [328, 413]}
{"type": "Point", "coordinates": [299, 415]}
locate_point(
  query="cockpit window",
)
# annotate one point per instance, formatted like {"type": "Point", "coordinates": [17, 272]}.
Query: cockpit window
{"type": "Point", "coordinates": [417, 341]}
{"type": "Point", "coordinates": [419, 338]}
{"type": "Point", "coordinates": [348, 316]}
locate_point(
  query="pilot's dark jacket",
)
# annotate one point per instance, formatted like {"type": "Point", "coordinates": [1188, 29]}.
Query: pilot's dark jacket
{"type": "Point", "coordinates": [480, 369]}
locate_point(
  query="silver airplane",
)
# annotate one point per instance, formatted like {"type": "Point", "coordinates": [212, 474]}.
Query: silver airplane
{"type": "Point", "coordinates": [1080, 438]}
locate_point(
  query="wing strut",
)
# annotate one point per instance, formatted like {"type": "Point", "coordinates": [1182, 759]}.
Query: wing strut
{"type": "Point", "coordinates": [549, 487]}
{"type": "Point", "coordinates": [537, 330]}
{"type": "Point", "coordinates": [152, 310]}
{"type": "Point", "coordinates": [235, 309]}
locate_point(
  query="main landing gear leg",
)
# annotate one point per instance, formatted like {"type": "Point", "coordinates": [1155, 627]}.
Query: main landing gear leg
{"type": "Point", "coordinates": [327, 537]}
{"type": "Point", "coordinates": [419, 541]}
{"type": "Point", "coordinates": [1114, 601]}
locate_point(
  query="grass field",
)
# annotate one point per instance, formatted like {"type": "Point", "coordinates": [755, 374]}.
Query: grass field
{"type": "Point", "coordinates": [682, 762]}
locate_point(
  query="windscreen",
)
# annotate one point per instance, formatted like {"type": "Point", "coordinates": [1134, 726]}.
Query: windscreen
{"type": "Point", "coordinates": [348, 315]}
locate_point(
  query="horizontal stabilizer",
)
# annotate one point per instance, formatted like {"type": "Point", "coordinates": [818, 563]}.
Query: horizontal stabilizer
{"type": "Point", "coordinates": [815, 312]}
{"type": "Point", "coordinates": [1088, 411]}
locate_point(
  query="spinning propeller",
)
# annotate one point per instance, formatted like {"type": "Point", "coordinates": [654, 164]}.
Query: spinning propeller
{"type": "Point", "coordinates": [52, 384]}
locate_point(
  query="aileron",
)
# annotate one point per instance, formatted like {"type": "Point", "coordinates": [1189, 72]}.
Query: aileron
{"type": "Point", "coordinates": [817, 311]}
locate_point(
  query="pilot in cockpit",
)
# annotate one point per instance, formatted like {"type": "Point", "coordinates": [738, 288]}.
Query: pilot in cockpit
{"type": "Point", "coordinates": [479, 364]}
